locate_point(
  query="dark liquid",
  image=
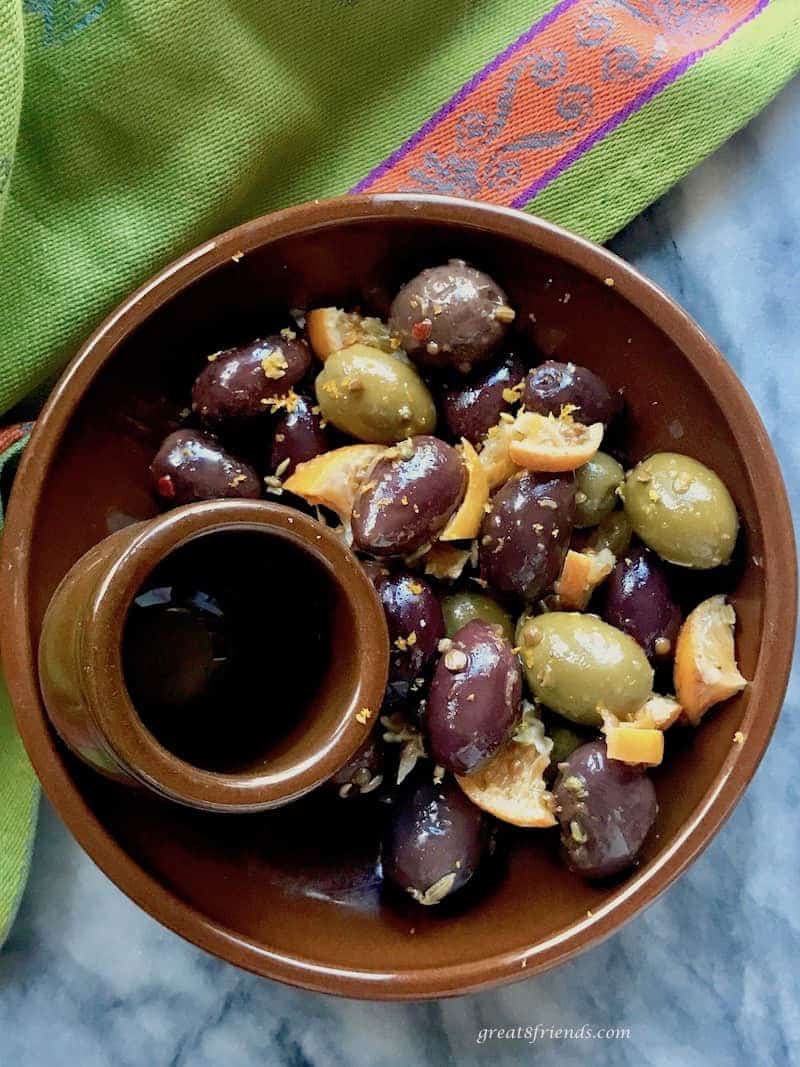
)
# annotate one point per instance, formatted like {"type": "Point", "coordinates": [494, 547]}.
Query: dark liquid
{"type": "Point", "coordinates": [226, 645]}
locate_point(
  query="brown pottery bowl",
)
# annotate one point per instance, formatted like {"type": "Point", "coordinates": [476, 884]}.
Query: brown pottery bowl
{"type": "Point", "coordinates": [295, 894]}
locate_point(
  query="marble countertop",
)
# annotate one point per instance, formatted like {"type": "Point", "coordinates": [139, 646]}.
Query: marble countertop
{"type": "Point", "coordinates": [708, 974]}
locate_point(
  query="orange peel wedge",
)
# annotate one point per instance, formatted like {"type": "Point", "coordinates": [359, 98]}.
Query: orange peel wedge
{"type": "Point", "coordinates": [706, 672]}
{"type": "Point", "coordinates": [660, 712]}
{"type": "Point", "coordinates": [466, 522]}
{"type": "Point", "coordinates": [331, 329]}
{"type": "Point", "coordinates": [512, 787]}
{"type": "Point", "coordinates": [552, 443]}
{"type": "Point", "coordinates": [630, 743]}
{"type": "Point", "coordinates": [445, 562]}
{"type": "Point", "coordinates": [581, 574]}
{"type": "Point", "coordinates": [657, 713]}
{"type": "Point", "coordinates": [494, 456]}
{"type": "Point", "coordinates": [334, 478]}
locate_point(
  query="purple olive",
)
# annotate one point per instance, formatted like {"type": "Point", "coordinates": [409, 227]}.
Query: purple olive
{"type": "Point", "coordinates": [552, 385]}
{"type": "Point", "coordinates": [474, 699]}
{"type": "Point", "coordinates": [450, 316]}
{"type": "Point", "coordinates": [363, 772]}
{"type": "Point", "coordinates": [435, 841]}
{"type": "Point", "coordinates": [605, 808]}
{"type": "Point", "coordinates": [416, 626]}
{"type": "Point", "coordinates": [471, 408]}
{"type": "Point", "coordinates": [299, 436]}
{"type": "Point", "coordinates": [524, 538]}
{"type": "Point", "coordinates": [636, 598]}
{"type": "Point", "coordinates": [242, 382]}
{"type": "Point", "coordinates": [191, 465]}
{"type": "Point", "coordinates": [411, 493]}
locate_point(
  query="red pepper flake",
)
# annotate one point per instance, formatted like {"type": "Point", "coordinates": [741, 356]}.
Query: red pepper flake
{"type": "Point", "coordinates": [166, 486]}
{"type": "Point", "coordinates": [421, 331]}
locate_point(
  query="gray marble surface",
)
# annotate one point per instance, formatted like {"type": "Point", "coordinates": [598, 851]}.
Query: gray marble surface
{"type": "Point", "coordinates": [709, 974]}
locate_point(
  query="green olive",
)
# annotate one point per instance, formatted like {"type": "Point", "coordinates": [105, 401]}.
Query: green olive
{"type": "Point", "coordinates": [613, 533]}
{"type": "Point", "coordinates": [374, 396]}
{"type": "Point", "coordinates": [578, 665]}
{"type": "Point", "coordinates": [460, 608]}
{"type": "Point", "coordinates": [596, 484]}
{"type": "Point", "coordinates": [682, 510]}
{"type": "Point", "coordinates": [565, 739]}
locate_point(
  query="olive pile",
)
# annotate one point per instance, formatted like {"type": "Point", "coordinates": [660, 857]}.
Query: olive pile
{"type": "Point", "coordinates": [472, 486]}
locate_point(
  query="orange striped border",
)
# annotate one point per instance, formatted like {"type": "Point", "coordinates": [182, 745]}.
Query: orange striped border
{"type": "Point", "coordinates": [9, 435]}
{"type": "Point", "coordinates": [564, 85]}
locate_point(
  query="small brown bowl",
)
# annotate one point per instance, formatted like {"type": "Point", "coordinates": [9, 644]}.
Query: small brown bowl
{"type": "Point", "coordinates": [83, 681]}
{"type": "Point", "coordinates": [295, 894]}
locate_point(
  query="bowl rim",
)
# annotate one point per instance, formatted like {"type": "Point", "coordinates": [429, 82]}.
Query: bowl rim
{"type": "Point", "coordinates": [766, 689]}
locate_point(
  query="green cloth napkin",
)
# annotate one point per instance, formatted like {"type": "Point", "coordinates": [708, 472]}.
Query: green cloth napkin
{"type": "Point", "coordinates": [146, 127]}
{"type": "Point", "coordinates": [18, 788]}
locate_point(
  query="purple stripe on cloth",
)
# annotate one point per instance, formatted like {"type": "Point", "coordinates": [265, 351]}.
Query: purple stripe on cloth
{"type": "Point", "coordinates": [463, 92]}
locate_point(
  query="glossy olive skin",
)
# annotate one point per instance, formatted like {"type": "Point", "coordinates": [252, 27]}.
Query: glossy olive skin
{"type": "Point", "coordinates": [433, 832]}
{"type": "Point", "coordinates": [551, 385]}
{"type": "Point", "coordinates": [596, 484]}
{"type": "Point", "coordinates": [412, 612]}
{"type": "Point", "coordinates": [361, 770]}
{"type": "Point", "coordinates": [637, 599]}
{"type": "Point", "coordinates": [298, 436]}
{"type": "Point", "coordinates": [373, 396]}
{"type": "Point", "coordinates": [577, 664]}
{"type": "Point", "coordinates": [606, 810]}
{"type": "Point", "coordinates": [411, 493]}
{"type": "Point", "coordinates": [446, 317]}
{"type": "Point", "coordinates": [462, 607]}
{"type": "Point", "coordinates": [191, 465]}
{"type": "Point", "coordinates": [240, 383]}
{"type": "Point", "coordinates": [471, 408]}
{"type": "Point", "coordinates": [614, 533]}
{"type": "Point", "coordinates": [682, 510]}
{"type": "Point", "coordinates": [474, 699]}
{"type": "Point", "coordinates": [524, 538]}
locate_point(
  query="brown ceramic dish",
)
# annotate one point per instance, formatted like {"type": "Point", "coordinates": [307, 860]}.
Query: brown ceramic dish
{"type": "Point", "coordinates": [294, 894]}
{"type": "Point", "coordinates": [83, 681]}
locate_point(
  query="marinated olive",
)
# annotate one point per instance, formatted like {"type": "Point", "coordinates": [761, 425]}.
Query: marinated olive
{"type": "Point", "coordinates": [474, 699]}
{"type": "Point", "coordinates": [524, 538]}
{"type": "Point", "coordinates": [450, 316]}
{"type": "Point", "coordinates": [471, 408]}
{"type": "Point", "coordinates": [363, 772]}
{"type": "Point", "coordinates": [551, 385]}
{"type": "Point", "coordinates": [565, 740]}
{"type": "Point", "coordinates": [578, 665]}
{"type": "Point", "coordinates": [194, 466]}
{"type": "Point", "coordinates": [613, 533]}
{"type": "Point", "coordinates": [374, 396]}
{"type": "Point", "coordinates": [416, 626]}
{"type": "Point", "coordinates": [636, 598]}
{"type": "Point", "coordinates": [605, 808]}
{"type": "Point", "coordinates": [682, 510]}
{"type": "Point", "coordinates": [410, 494]}
{"type": "Point", "coordinates": [299, 435]}
{"type": "Point", "coordinates": [243, 382]}
{"type": "Point", "coordinates": [435, 840]}
{"type": "Point", "coordinates": [596, 484]}
{"type": "Point", "coordinates": [464, 606]}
